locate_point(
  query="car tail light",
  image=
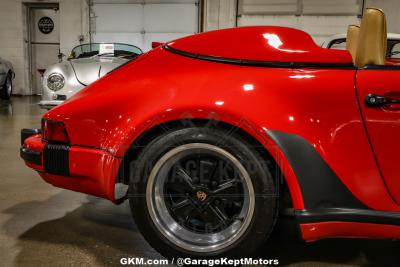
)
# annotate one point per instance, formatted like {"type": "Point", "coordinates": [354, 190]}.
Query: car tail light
{"type": "Point", "coordinates": [54, 131]}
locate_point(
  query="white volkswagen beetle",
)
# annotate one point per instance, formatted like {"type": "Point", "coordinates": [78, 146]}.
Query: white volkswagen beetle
{"type": "Point", "coordinates": [86, 64]}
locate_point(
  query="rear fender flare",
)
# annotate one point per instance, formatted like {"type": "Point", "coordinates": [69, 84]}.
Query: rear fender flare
{"type": "Point", "coordinates": [257, 132]}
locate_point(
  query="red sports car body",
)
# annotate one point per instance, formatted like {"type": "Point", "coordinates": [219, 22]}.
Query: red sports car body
{"type": "Point", "coordinates": [331, 130]}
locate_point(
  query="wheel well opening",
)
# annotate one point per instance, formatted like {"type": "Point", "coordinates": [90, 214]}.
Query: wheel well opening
{"type": "Point", "coordinates": [285, 202]}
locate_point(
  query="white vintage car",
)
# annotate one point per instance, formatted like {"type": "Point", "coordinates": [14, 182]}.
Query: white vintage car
{"type": "Point", "coordinates": [6, 77]}
{"type": "Point", "coordinates": [86, 64]}
{"type": "Point", "coordinates": [338, 41]}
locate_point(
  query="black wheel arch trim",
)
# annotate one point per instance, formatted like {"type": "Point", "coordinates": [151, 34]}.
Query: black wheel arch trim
{"type": "Point", "coordinates": [321, 188]}
{"type": "Point", "coordinates": [325, 197]}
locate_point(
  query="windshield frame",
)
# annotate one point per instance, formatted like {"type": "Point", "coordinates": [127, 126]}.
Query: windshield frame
{"type": "Point", "coordinates": [97, 43]}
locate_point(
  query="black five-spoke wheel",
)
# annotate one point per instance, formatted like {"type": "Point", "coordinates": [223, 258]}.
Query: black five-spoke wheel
{"type": "Point", "coordinates": [204, 192]}
{"type": "Point", "coordinates": [200, 196]}
{"type": "Point", "coordinates": [197, 192]}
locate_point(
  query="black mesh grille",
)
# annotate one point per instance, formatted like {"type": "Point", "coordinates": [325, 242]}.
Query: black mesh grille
{"type": "Point", "coordinates": [55, 159]}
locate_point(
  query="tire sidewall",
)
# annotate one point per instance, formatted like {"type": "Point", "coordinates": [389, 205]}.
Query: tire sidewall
{"type": "Point", "coordinates": [264, 215]}
{"type": "Point", "coordinates": [3, 92]}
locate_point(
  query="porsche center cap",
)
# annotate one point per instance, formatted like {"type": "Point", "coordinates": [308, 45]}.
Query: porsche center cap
{"type": "Point", "coordinates": [201, 196]}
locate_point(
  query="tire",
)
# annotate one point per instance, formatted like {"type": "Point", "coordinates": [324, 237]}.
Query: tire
{"type": "Point", "coordinates": [6, 90]}
{"type": "Point", "coordinates": [170, 212]}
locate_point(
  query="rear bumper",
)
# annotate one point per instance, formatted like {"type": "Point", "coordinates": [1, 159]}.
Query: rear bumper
{"type": "Point", "coordinates": [30, 156]}
{"type": "Point", "coordinates": [87, 170]}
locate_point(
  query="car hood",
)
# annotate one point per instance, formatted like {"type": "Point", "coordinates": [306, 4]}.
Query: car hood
{"type": "Point", "coordinates": [88, 70]}
{"type": "Point", "coordinates": [257, 43]}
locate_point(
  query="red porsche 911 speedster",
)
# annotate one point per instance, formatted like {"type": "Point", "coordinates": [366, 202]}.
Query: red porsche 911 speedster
{"type": "Point", "coordinates": [217, 128]}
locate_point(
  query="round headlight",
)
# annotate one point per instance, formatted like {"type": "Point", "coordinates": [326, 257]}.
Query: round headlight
{"type": "Point", "coordinates": [55, 81]}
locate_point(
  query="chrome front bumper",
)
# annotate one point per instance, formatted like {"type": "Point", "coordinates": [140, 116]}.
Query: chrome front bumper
{"type": "Point", "coordinates": [49, 104]}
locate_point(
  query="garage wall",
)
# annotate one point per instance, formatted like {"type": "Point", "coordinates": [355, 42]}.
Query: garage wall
{"type": "Point", "coordinates": [392, 11]}
{"type": "Point", "coordinates": [13, 33]}
{"type": "Point", "coordinates": [320, 18]}
{"type": "Point", "coordinates": [140, 22]}
{"type": "Point", "coordinates": [219, 14]}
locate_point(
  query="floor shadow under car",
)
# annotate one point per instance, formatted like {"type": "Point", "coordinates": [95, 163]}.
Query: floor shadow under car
{"type": "Point", "coordinates": [96, 233]}
{"type": "Point", "coordinates": [99, 233]}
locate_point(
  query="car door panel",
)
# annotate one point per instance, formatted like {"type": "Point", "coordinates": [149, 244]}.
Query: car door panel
{"type": "Point", "coordinates": [382, 120]}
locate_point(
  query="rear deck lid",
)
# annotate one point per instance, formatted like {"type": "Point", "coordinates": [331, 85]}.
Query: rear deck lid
{"type": "Point", "coordinates": [259, 43]}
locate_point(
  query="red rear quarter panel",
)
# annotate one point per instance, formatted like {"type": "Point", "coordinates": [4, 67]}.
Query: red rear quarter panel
{"type": "Point", "coordinates": [318, 104]}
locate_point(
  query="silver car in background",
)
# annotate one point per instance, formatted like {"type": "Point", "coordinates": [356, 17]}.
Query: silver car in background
{"type": "Point", "coordinates": [86, 64]}
{"type": "Point", "coordinates": [7, 75]}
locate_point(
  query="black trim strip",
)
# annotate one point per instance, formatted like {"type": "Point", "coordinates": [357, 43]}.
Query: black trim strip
{"type": "Point", "coordinates": [349, 215]}
{"type": "Point", "coordinates": [256, 63]}
{"type": "Point", "coordinates": [34, 157]}
{"type": "Point", "coordinates": [320, 186]}
{"type": "Point", "coordinates": [45, 43]}
{"type": "Point", "coordinates": [381, 67]}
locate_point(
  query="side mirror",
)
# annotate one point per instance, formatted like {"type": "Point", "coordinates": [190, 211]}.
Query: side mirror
{"type": "Point", "coordinates": [60, 56]}
{"type": "Point", "coordinates": [156, 44]}
{"type": "Point", "coordinates": [71, 56]}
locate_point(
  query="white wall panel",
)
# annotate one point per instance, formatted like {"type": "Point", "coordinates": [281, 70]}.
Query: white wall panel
{"type": "Point", "coordinates": [392, 11]}
{"type": "Point", "coordinates": [123, 18]}
{"type": "Point", "coordinates": [327, 7]}
{"type": "Point", "coordinates": [219, 14]}
{"type": "Point", "coordinates": [320, 18]}
{"type": "Point", "coordinates": [164, 18]}
{"type": "Point", "coordinates": [282, 20]}
{"type": "Point", "coordinates": [140, 24]}
{"type": "Point", "coordinates": [144, 1]}
{"type": "Point", "coordinates": [268, 6]}
{"type": "Point", "coordinates": [319, 27]}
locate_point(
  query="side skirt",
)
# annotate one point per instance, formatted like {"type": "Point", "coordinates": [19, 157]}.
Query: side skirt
{"type": "Point", "coordinates": [320, 230]}
{"type": "Point", "coordinates": [348, 215]}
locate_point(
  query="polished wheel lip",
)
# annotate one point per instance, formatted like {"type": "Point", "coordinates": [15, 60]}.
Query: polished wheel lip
{"type": "Point", "coordinates": [172, 230]}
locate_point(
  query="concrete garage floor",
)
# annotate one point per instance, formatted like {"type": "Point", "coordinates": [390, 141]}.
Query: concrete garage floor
{"type": "Point", "coordinates": [46, 226]}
